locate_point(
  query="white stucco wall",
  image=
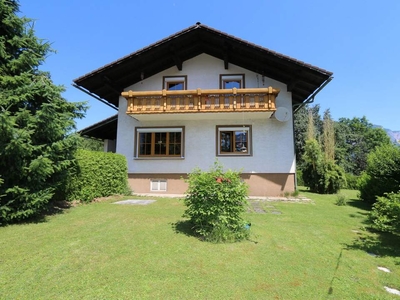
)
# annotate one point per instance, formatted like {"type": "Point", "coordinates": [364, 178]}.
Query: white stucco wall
{"type": "Point", "coordinates": [272, 141]}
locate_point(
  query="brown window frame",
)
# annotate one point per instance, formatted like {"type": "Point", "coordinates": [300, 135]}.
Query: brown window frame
{"type": "Point", "coordinates": [174, 79]}
{"type": "Point", "coordinates": [153, 143]}
{"type": "Point", "coordinates": [234, 145]}
{"type": "Point", "coordinates": [231, 77]}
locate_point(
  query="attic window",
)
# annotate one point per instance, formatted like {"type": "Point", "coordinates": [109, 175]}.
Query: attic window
{"type": "Point", "coordinates": [230, 81]}
{"type": "Point", "coordinates": [175, 83]}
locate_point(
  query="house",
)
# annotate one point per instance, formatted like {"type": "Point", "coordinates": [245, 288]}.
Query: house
{"type": "Point", "coordinates": [201, 95]}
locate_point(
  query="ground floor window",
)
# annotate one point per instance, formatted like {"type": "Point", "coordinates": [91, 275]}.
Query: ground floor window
{"type": "Point", "coordinates": [159, 142]}
{"type": "Point", "coordinates": [234, 140]}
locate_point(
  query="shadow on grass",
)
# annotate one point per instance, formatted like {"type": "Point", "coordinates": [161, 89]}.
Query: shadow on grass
{"type": "Point", "coordinates": [360, 204]}
{"type": "Point", "coordinates": [53, 208]}
{"type": "Point", "coordinates": [377, 244]}
{"type": "Point", "coordinates": [184, 227]}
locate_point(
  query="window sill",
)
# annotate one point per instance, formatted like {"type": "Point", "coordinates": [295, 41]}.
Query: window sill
{"type": "Point", "coordinates": [235, 155]}
{"type": "Point", "coordinates": [158, 158]}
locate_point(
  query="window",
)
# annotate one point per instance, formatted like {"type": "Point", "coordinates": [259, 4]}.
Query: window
{"type": "Point", "coordinates": [158, 185]}
{"type": "Point", "coordinates": [232, 81]}
{"type": "Point", "coordinates": [174, 83]}
{"type": "Point", "coordinates": [159, 142]}
{"type": "Point", "coordinates": [234, 140]}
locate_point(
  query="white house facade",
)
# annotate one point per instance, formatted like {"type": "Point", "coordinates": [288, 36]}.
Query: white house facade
{"type": "Point", "coordinates": [204, 106]}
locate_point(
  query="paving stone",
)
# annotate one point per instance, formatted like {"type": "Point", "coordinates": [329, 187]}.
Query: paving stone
{"type": "Point", "coordinates": [134, 202]}
{"type": "Point", "coordinates": [384, 269]}
{"type": "Point", "coordinates": [392, 291]}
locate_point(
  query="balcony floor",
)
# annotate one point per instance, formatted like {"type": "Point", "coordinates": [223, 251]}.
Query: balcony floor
{"type": "Point", "coordinates": [202, 116]}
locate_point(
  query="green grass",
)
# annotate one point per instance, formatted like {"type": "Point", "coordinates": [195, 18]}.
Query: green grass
{"type": "Point", "coordinates": [312, 250]}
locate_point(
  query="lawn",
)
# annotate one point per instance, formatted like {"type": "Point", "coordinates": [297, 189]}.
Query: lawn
{"type": "Point", "coordinates": [315, 250]}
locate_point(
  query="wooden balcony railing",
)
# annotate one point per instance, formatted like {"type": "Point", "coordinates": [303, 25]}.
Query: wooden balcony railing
{"type": "Point", "coordinates": [205, 101]}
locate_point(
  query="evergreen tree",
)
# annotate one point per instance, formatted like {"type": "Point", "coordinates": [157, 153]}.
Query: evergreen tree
{"type": "Point", "coordinates": [36, 144]}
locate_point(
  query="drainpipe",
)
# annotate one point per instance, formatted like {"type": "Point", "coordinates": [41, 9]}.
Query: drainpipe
{"type": "Point", "coordinates": [95, 96]}
{"type": "Point", "coordinates": [310, 99]}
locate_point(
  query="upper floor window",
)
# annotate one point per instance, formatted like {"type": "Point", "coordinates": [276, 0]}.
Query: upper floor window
{"type": "Point", "coordinates": [159, 142]}
{"type": "Point", "coordinates": [233, 140]}
{"type": "Point", "coordinates": [175, 83]}
{"type": "Point", "coordinates": [232, 81]}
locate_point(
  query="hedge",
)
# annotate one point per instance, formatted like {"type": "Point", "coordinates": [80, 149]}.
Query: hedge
{"type": "Point", "coordinates": [97, 174]}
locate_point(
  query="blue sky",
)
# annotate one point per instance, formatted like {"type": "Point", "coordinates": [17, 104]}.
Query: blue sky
{"type": "Point", "coordinates": [357, 40]}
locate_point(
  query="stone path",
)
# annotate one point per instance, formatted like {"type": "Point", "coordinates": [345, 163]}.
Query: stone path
{"type": "Point", "coordinates": [260, 207]}
{"type": "Point", "coordinates": [134, 202]}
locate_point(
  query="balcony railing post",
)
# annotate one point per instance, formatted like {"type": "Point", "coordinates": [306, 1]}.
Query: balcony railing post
{"type": "Point", "coordinates": [198, 99]}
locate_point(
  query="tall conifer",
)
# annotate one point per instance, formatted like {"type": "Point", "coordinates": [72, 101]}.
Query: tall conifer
{"type": "Point", "coordinates": [36, 122]}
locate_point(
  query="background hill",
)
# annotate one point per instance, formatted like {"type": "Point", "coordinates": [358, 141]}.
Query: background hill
{"type": "Point", "coordinates": [394, 135]}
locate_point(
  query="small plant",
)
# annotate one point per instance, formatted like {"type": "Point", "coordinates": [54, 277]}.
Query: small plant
{"type": "Point", "coordinates": [216, 201]}
{"type": "Point", "coordinates": [341, 200]}
{"type": "Point", "coordinates": [295, 193]}
{"type": "Point", "coordinates": [286, 194]}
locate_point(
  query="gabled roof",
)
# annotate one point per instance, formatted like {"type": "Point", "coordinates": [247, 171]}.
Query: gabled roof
{"type": "Point", "coordinates": [108, 81]}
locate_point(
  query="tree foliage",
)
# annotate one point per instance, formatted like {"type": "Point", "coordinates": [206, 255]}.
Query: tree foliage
{"type": "Point", "coordinates": [382, 174]}
{"type": "Point", "coordinates": [301, 123]}
{"type": "Point", "coordinates": [320, 173]}
{"type": "Point", "coordinates": [36, 148]}
{"type": "Point", "coordinates": [356, 138]}
{"type": "Point", "coordinates": [385, 214]}
{"type": "Point", "coordinates": [351, 142]}
{"type": "Point", "coordinates": [90, 144]}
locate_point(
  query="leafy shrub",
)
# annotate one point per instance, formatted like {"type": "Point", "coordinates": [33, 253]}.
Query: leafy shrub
{"type": "Point", "coordinates": [351, 181]}
{"type": "Point", "coordinates": [215, 203]}
{"type": "Point", "coordinates": [385, 214]}
{"type": "Point", "coordinates": [341, 200]}
{"type": "Point", "coordinates": [382, 174]}
{"type": "Point", "coordinates": [97, 174]}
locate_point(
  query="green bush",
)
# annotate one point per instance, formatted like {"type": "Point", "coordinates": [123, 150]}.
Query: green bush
{"type": "Point", "coordinates": [215, 203]}
{"type": "Point", "coordinates": [385, 214]}
{"type": "Point", "coordinates": [341, 200]}
{"type": "Point", "coordinates": [351, 181]}
{"type": "Point", "coordinates": [382, 174]}
{"type": "Point", "coordinates": [299, 176]}
{"type": "Point", "coordinates": [97, 174]}
{"type": "Point", "coordinates": [321, 175]}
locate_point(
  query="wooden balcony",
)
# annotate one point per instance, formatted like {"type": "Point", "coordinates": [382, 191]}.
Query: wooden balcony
{"type": "Point", "coordinates": [201, 101]}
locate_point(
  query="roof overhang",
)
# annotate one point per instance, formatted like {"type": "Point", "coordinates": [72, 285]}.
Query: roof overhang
{"type": "Point", "coordinates": [108, 82]}
{"type": "Point", "coordinates": [104, 130]}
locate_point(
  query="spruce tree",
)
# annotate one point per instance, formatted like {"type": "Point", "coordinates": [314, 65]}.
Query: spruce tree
{"type": "Point", "coordinates": [36, 123]}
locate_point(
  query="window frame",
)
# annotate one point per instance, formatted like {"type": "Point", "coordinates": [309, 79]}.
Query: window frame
{"type": "Point", "coordinates": [223, 78]}
{"type": "Point", "coordinates": [159, 183]}
{"type": "Point", "coordinates": [153, 131]}
{"type": "Point", "coordinates": [174, 79]}
{"type": "Point", "coordinates": [232, 129]}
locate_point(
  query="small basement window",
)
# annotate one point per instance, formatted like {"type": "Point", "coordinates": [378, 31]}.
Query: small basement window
{"type": "Point", "coordinates": [158, 185]}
